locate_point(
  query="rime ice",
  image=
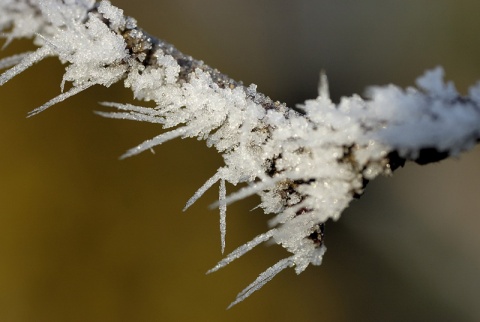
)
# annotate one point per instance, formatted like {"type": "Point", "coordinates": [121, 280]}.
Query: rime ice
{"type": "Point", "coordinates": [306, 167]}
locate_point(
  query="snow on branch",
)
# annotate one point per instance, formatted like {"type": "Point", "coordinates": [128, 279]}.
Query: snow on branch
{"type": "Point", "coordinates": [306, 163]}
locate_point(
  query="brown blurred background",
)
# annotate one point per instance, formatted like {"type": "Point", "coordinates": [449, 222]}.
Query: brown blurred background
{"type": "Point", "coordinates": [86, 237]}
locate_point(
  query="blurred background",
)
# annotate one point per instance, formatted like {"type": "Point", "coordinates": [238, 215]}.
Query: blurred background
{"type": "Point", "coordinates": [86, 237]}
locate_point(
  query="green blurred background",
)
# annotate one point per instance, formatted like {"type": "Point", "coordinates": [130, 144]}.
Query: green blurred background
{"type": "Point", "coordinates": [86, 237]}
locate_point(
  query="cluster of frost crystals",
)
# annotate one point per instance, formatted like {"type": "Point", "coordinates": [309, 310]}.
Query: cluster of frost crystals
{"type": "Point", "coordinates": [306, 166]}
{"type": "Point", "coordinates": [436, 116]}
{"type": "Point", "coordinates": [321, 157]}
{"type": "Point", "coordinates": [19, 20]}
{"type": "Point", "coordinates": [94, 52]}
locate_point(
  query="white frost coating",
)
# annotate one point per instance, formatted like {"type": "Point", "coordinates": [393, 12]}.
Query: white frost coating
{"type": "Point", "coordinates": [323, 90]}
{"type": "Point", "coordinates": [92, 49]}
{"type": "Point", "coordinates": [223, 213]}
{"type": "Point", "coordinates": [262, 279]}
{"type": "Point", "coordinates": [26, 62]}
{"type": "Point", "coordinates": [207, 185]}
{"type": "Point", "coordinates": [73, 91]}
{"type": "Point", "coordinates": [159, 139]}
{"type": "Point", "coordinates": [242, 250]}
{"type": "Point", "coordinates": [113, 14]}
{"type": "Point", "coordinates": [12, 60]}
{"type": "Point", "coordinates": [132, 112]}
{"type": "Point", "coordinates": [437, 117]}
{"type": "Point", "coordinates": [306, 167]}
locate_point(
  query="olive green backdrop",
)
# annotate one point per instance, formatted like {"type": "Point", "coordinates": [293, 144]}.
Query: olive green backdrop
{"type": "Point", "coordinates": [86, 237]}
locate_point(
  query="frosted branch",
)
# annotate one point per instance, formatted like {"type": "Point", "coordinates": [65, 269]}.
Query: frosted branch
{"type": "Point", "coordinates": [305, 163]}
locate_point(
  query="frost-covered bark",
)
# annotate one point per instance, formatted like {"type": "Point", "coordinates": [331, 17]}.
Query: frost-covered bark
{"type": "Point", "coordinates": [306, 163]}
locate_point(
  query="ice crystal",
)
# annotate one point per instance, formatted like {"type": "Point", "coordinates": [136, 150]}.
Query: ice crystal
{"type": "Point", "coordinates": [306, 164]}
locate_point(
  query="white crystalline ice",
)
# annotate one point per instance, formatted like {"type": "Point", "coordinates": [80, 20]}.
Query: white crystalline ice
{"type": "Point", "coordinates": [91, 48]}
{"type": "Point", "coordinates": [433, 83]}
{"type": "Point", "coordinates": [223, 213]}
{"type": "Point", "coordinates": [261, 280]}
{"type": "Point", "coordinates": [132, 112]}
{"type": "Point", "coordinates": [13, 60]}
{"type": "Point", "coordinates": [243, 249]}
{"type": "Point", "coordinates": [73, 91]}
{"type": "Point", "coordinates": [436, 118]}
{"type": "Point", "coordinates": [306, 167]}
{"type": "Point", "coordinates": [207, 185]}
{"type": "Point", "coordinates": [26, 62]}
{"type": "Point", "coordinates": [159, 139]}
{"type": "Point", "coordinates": [113, 14]}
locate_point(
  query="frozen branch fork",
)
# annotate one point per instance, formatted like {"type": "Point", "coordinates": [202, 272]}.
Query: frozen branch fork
{"type": "Point", "coordinates": [306, 163]}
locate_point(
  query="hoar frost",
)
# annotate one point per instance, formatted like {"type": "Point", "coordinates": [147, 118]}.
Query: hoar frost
{"type": "Point", "coordinates": [306, 164]}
